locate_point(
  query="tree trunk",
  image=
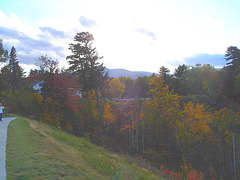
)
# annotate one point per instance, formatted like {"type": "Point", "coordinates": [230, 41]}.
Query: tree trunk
{"type": "Point", "coordinates": [179, 145]}
{"type": "Point", "coordinates": [98, 107]}
{"type": "Point", "coordinates": [143, 144]}
{"type": "Point", "coordinates": [220, 157]}
{"type": "Point", "coordinates": [234, 157]}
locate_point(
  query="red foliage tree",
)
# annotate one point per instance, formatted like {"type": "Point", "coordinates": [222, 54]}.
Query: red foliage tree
{"type": "Point", "coordinates": [33, 77]}
{"type": "Point", "coordinates": [63, 89]}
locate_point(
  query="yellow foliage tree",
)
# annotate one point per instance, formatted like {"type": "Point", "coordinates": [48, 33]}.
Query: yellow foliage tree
{"type": "Point", "coordinates": [163, 105]}
{"type": "Point", "coordinates": [162, 112]}
{"type": "Point", "coordinates": [197, 120]}
{"type": "Point", "coordinates": [116, 88]}
{"type": "Point", "coordinates": [194, 129]}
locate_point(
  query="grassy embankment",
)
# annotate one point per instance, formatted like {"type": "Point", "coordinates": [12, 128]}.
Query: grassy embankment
{"type": "Point", "coordinates": [38, 151]}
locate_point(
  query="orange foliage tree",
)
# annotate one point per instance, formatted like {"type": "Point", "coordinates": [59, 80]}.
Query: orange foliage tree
{"type": "Point", "coordinates": [194, 128]}
{"type": "Point", "coordinates": [109, 118]}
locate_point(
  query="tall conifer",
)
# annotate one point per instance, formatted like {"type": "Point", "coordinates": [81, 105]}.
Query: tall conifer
{"type": "Point", "coordinates": [84, 62]}
{"type": "Point", "coordinates": [15, 71]}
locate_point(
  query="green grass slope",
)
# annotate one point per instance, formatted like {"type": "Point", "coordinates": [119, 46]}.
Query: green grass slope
{"type": "Point", "coordinates": [38, 151]}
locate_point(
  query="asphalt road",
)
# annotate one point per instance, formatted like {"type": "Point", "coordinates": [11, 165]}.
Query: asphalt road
{"type": "Point", "coordinates": [3, 140]}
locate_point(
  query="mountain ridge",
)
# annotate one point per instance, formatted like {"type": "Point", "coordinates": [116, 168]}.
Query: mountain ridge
{"type": "Point", "coordinates": [115, 73]}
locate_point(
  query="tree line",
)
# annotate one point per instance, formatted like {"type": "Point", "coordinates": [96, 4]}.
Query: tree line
{"type": "Point", "coordinates": [191, 116]}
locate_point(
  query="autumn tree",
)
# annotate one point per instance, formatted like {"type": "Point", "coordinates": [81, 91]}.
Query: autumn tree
{"type": "Point", "coordinates": [141, 87]}
{"type": "Point", "coordinates": [195, 130]}
{"type": "Point", "coordinates": [33, 78]}
{"type": "Point", "coordinates": [116, 88]}
{"type": "Point", "coordinates": [161, 112]}
{"type": "Point", "coordinates": [209, 80]}
{"type": "Point", "coordinates": [109, 119]}
{"type": "Point", "coordinates": [47, 65]}
{"type": "Point", "coordinates": [135, 88]}
{"type": "Point", "coordinates": [162, 100]}
{"type": "Point", "coordinates": [129, 83]}
{"type": "Point", "coordinates": [47, 68]}
{"type": "Point", "coordinates": [91, 115]}
{"type": "Point", "coordinates": [63, 90]}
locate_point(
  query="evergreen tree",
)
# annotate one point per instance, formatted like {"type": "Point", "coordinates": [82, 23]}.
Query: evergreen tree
{"type": "Point", "coordinates": [233, 55]}
{"type": "Point", "coordinates": [3, 53]}
{"type": "Point", "coordinates": [179, 82]}
{"type": "Point", "coordinates": [84, 62]}
{"type": "Point", "coordinates": [3, 58]}
{"type": "Point", "coordinates": [164, 73]}
{"type": "Point", "coordinates": [231, 71]}
{"type": "Point", "coordinates": [13, 70]}
{"type": "Point", "coordinates": [181, 71]}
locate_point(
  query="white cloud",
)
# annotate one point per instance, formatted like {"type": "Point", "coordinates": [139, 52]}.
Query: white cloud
{"type": "Point", "coordinates": [13, 22]}
{"type": "Point", "coordinates": [27, 68]}
{"type": "Point", "coordinates": [30, 42]}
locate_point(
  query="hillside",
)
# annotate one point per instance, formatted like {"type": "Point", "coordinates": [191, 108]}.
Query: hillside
{"type": "Point", "coordinates": [38, 151]}
{"type": "Point", "coordinates": [115, 73]}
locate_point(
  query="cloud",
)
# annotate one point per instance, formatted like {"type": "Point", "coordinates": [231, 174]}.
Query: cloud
{"type": "Point", "coordinates": [53, 32]}
{"type": "Point", "coordinates": [216, 60]}
{"type": "Point", "coordinates": [146, 32]}
{"type": "Point", "coordinates": [28, 49]}
{"type": "Point", "coordinates": [7, 32]}
{"type": "Point", "coordinates": [24, 39]}
{"type": "Point", "coordinates": [87, 22]}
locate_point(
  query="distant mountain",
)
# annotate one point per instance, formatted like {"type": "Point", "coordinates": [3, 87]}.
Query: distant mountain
{"type": "Point", "coordinates": [115, 73]}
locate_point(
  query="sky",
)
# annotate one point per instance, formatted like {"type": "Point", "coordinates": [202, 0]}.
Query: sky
{"type": "Point", "coordinates": [138, 35]}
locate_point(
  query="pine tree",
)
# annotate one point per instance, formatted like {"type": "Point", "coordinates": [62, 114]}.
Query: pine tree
{"type": "Point", "coordinates": [84, 62]}
{"type": "Point", "coordinates": [164, 73]}
{"type": "Point", "coordinates": [232, 70]}
{"type": "Point", "coordinates": [233, 55]}
{"type": "Point", "coordinates": [3, 53]}
{"type": "Point", "coordinates": [14, 69]}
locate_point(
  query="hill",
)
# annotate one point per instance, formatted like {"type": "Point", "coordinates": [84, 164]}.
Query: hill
{"type": "Point", "coordinates": [38, 151]}
{"type": "Point", "coordinates": [115, 73]}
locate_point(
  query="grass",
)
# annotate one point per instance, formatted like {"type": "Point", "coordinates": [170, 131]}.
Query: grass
{"type": "Point", "coordinates": [38, 151]}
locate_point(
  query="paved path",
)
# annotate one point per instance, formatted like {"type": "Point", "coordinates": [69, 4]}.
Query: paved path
{"type": "Point", "coordinates": [3, 140]}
